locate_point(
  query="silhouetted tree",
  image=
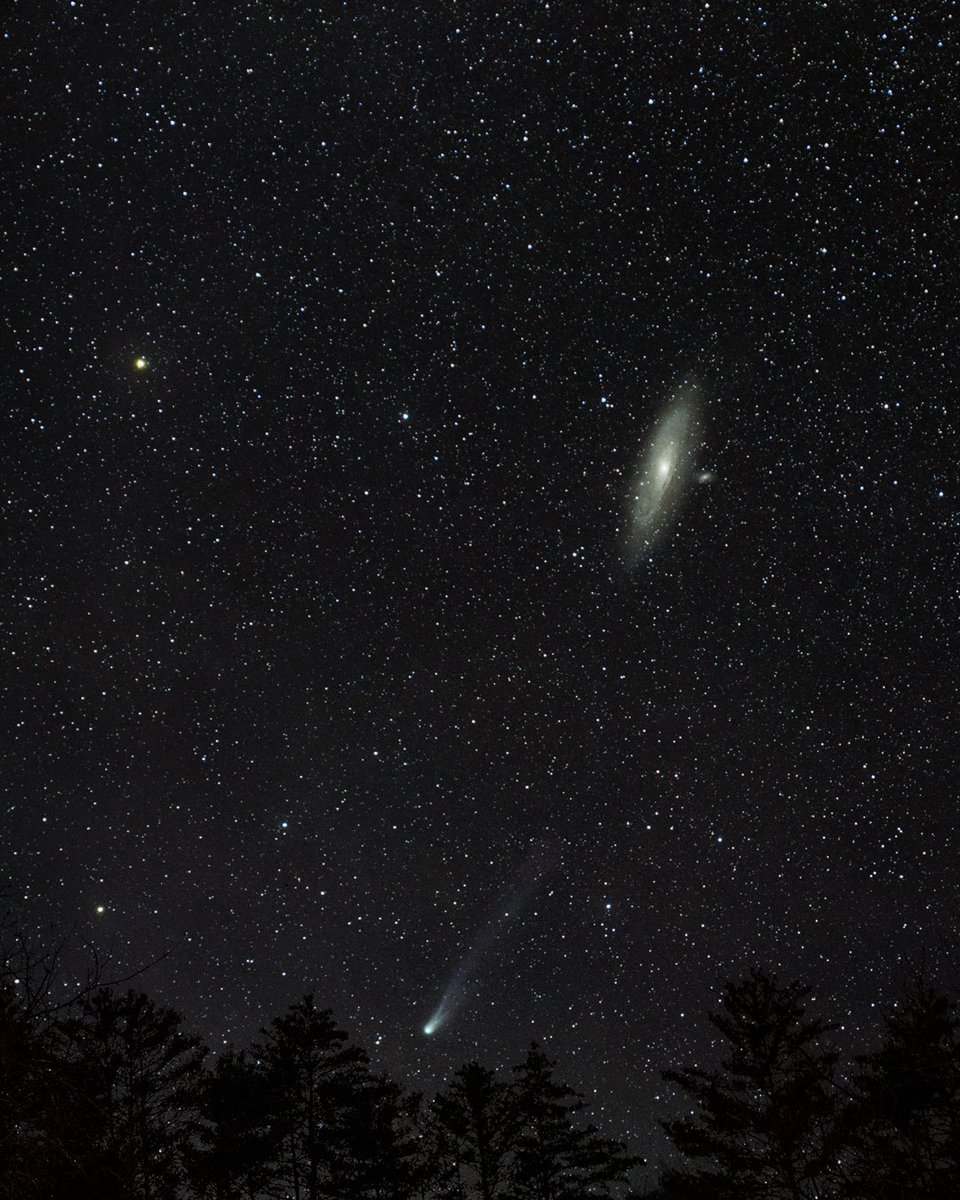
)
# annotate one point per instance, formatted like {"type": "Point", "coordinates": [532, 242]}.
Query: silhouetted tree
{"type": "Point", "coordinates": [379, 1154]}
{"type": "Point", "coordinates": [50, 1123]}
{"type": "Point", "coordinates": [554, 1158]}
{"type": "Point", "coordinates": [904, 1121]}
{"type": "Point", "coordinates": [473, 1121]}
{"type": "Point", "coordinates": [760, 1125]}
{"type": "Point", "coordinates": [311, 1074]}
{"type": "Point", "coordinates": [47, 1126]}
{"type": "Point", "coordinates": [140, 1071]}
{"type": "Point", "coordinates": [234, 1148]}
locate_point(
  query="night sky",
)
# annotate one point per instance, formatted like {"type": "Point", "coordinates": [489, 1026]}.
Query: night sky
{"type": "Point", "coordinates": [481, 513]}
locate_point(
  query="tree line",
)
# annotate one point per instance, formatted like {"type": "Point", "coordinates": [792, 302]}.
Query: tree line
{"type": "Point", "coordinates": [106, 1095]}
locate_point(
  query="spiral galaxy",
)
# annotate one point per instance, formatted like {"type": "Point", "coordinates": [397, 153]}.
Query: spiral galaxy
{"type": "Point", "coordinates": [665, 470]}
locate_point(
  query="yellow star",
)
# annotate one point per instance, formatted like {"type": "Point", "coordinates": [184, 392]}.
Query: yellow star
{"type": "Point", "coordinates": [141, 364]}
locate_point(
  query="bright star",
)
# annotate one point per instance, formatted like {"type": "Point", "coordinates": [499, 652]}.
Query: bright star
{"type": "Point", "coordinates": [141, 364]}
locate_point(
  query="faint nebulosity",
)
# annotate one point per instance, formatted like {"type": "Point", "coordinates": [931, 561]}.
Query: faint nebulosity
{"type": "Point", "coordinates": [343, 338]}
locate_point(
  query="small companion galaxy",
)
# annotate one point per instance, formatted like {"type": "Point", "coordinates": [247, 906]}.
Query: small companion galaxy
{"type": "Point", "coordinates": [481, 537]}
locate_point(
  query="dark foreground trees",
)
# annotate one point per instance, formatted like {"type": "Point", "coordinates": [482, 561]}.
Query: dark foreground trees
{"type": "Point", "coordinates": [761, 1124]}
{"type": "Point", "coordinates": [140, 1073]}
{"type": "Point", "coordinates": [107, 1096]}
{"type": "Point", "coordinates": [554, 1156]}
{"type": "Point", "coordinates": [311, 1075]}
{"type": "Point", "coordinates": [230, 1156]}
{"type": "Point", "coordinates": [49, 1130]}
{"type": "Point", "coordinates": [99, 1102]}
{"type": "Point", "coordinates": [521, 1140]}
{"type": "Point", "coordinates": [778, 1119]}
{"type": "Point", "coordinates": [473, 1129]}
{"type": "Point", "coordinates": [902, 1124]}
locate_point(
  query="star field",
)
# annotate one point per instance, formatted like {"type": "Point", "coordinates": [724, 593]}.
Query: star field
{"type": "Point", "coordinates": [338, 332]}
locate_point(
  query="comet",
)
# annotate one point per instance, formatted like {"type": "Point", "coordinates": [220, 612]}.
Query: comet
{"type": "Point", "coordinates": [536, 867]}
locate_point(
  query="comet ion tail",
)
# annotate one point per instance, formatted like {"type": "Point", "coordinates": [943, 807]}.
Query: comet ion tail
{"type": "Point", "coordinates": [537, 865]}
{"type": "Point", "coordinates": [666, 467]}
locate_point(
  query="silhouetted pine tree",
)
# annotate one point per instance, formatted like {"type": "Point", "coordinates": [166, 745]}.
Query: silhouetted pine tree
{"type": "Point", "coordinates": [140, 1073]}
{"type": "Point", "coordinates": [553, 1157]}
{"type": "Point", "coordinates": [234, 1151]}
{"type": "Point", "coordinates": [311, 1074]}
{"type": "Point", "coordinates": [473, 1122]}
{"type": "Point", "coordinates": [379, 1155]}
{"type": "Point", "coordinates": [904, 1121]}
{"type": "Point", "coordinates": [760, 1126]}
